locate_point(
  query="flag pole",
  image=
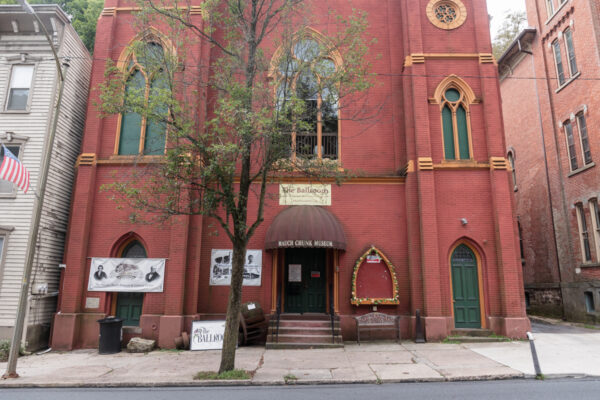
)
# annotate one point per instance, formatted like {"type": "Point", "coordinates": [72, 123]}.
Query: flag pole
{"type": "Point", "coordinates": [11, 367]}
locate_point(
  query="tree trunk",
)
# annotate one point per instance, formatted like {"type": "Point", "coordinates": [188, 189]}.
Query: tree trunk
{"type": "Point", "coordinates": [232, 324]}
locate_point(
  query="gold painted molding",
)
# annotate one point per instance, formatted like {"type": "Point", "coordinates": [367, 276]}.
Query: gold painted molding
{"type": "Point", "coordinates": [420, 58]}
{"type": "Point", "coordinates": [86, 159]}
{"type": "Point", "coordinates": [425, 164]}
{"type": "Point", "coordinates": [112, 11]}
{"type": "Point", "coordinates": [498, 163]}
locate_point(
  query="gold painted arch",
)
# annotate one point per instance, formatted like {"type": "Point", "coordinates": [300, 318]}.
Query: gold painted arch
{"type": "Point", "coordinates": [357, 301]}
{"type": "Point", "coordinates": [150, 34]}
{"type": "Point", "coordinates": [454, 82]}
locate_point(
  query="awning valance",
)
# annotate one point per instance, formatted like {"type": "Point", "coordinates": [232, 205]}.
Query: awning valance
{"type": "Point", "coordinates": [305, 226]}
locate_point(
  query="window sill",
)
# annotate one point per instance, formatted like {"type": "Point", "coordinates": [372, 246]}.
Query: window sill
{"type": "Point", "coordinates": [590, 265]}
{"type": "Point", "coordinates": [15, 112]}
{"type": "Point", "coordinates": [580, 170]}
{"type": "Point", "coordinates": [117, 159]}
{"type": "Point", "coordinates": [567, 82]}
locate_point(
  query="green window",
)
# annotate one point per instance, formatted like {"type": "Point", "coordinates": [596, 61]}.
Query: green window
{"type": "Point", "coordinates": [144, 134]}
{"type": "Point", "coordinates": [455, 126]}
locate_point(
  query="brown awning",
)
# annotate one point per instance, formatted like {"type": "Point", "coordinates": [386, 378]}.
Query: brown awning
{"type": "Point", "coordinates": [305, 226]}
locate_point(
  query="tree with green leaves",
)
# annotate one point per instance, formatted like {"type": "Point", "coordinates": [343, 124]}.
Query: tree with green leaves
{"type": "Point", "coordinates": [84, 16]}
{"type": "Point", "coordinates": [514, 22]}
{"type": "Point", "coordinates": [271, 83]}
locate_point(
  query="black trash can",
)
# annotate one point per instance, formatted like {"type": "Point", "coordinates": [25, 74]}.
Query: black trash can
{"type": "Point", "coordinates": [110, 335]}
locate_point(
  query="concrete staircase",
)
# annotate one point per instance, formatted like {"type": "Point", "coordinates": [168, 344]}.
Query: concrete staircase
{"type": "Point", "coordinates": [304, 331]}
{"type": "Point", "coordinates": [474, 336]}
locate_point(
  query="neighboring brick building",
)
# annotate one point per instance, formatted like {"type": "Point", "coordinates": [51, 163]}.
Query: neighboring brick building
{"type": "Point", "coordinates": [550, 92]}
{"type": "Point", "coordinates": [434, 197]}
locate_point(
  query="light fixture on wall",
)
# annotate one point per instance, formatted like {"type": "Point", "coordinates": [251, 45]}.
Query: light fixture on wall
{"type": "Point", "coordinates": [464, 221]}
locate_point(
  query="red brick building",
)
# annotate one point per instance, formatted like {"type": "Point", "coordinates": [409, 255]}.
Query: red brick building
{"type": "Point", "coordinates": [549, 83]}
{"type": "Point", "coordinates": [434, 199]}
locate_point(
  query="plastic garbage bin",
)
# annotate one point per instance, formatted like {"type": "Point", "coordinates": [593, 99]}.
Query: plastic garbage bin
{"type": "Point", "coordinates": [110, 335]}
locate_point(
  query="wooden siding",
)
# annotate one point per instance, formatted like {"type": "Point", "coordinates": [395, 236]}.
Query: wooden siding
{"type": "Point", "coordinates": [17, 212]}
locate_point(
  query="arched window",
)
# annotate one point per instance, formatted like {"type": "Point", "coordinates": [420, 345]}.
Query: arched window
{"type": "Point", "coordinates": [134, 249]}
{"type": "Point", "coordinates": [455, 126]}
{"type": "Point", "coordinates": [139, 134]}
{"type": "Point", "coordinates": [304, 74]}
{"type": "Point", "coordinates": [454, 97]}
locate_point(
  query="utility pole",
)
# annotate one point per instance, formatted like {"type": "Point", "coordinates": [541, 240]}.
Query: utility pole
{"type": "Point", "coordinates": [11, 368]}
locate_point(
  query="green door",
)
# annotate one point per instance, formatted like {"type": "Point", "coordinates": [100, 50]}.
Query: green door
{"type": "Point", "coordinates": [465, 288]}
{"type": "Point", "coordinates": [305, 289]}
{"type": "Point", "coordinates": [129, 307]}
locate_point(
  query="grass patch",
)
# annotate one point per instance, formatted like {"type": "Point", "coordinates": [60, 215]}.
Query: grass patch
{"type": "Point", "coordinates": [236, 374]}
{"type": "Point", "coordinates": [450, 340]}
{"type": "Point", "coordinates": [5, 350]}
{"type": "Point", "coordinates": [500, 338]}
{"type": "Point", "coordinates": [290, 378]}
{"type": "Point", "coordinates": [588, 326]}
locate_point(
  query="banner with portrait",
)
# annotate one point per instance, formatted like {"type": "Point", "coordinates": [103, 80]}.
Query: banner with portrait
{"type": "Point", "coordinates": [127, 275]}
{"type": "Point", "coordinates": [221, 265]}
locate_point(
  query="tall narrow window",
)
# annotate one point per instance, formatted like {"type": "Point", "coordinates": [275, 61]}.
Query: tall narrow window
{"type": "Point", "coordinates": [595, 211]}
{"type": "Point", "coordinates": [147, 80]}
{"type": "Point", "coordinates": [560, 72]}
{"type": "Point", "coordinates": [571, 145]}
{"type": "Point", "coordinates": [583, 234]}
{"type": "Point", "coordinates": [550, 7]}
{"type": "Point", "coordinates": [20, 87]}
{"type": "Point", "coordinates": [455, 126]}
{"type": "Point", "coordinates": [589, 302]}
{"type": "Point", "coordinates": [2, 240]}
{"type": "Point", "coordinates": [570, 51]}
{"type": "Point", "coordinates": [583, 136]}
{"type": "Point", "coordinates": [305, 75]}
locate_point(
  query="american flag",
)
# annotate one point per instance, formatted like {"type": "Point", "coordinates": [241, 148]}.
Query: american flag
{"type": "Point", "coordinates": [12, 170]}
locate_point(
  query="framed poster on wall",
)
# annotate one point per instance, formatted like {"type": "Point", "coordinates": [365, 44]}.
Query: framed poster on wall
{"type": "Point", "coordinates": [221, 266]}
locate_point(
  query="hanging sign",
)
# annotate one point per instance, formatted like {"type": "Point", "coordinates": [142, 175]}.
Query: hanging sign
{"type": "Point", "coordinates": [207, 335]}
{"type": "Point", "coordinates": [221, 267]}
{"type": "Point", "coordinates": [304, 194]}
{"type": "Point", "coordinates": [126, 275]}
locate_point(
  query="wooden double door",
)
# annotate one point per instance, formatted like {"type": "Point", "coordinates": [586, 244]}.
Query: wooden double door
{"type": "Point", "coordinates": [305, 281]}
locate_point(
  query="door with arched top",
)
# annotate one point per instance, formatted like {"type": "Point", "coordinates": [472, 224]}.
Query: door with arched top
{"type": "Point", "coordinates": [465, 288]}
{"type": "Point", "coordinates": [129, 305]}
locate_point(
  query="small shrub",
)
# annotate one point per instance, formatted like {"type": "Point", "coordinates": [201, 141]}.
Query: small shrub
{"type": "Point", "coordinates": [290, 378]}
{"type": "Point", "coordinates": [5, 350]}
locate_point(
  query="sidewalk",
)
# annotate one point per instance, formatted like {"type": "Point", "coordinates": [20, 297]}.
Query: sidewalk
{"type": "Point", "coordinates": [568, 352]}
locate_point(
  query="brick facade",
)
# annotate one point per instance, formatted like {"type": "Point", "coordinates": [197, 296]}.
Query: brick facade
{"type": "Point", "coordinates": [413, 217]}
{"type": "Point", "coordinates": [537, 109]}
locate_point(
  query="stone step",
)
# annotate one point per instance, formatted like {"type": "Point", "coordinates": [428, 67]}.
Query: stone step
{"type": "Point", "coordinates": [294, 338]}
{"type": "Point", "coordinates": [475, 339]}
{"type": "Point", "coordinates": [471, 332]}
{"type": "Point", "coordinates": [304, 317]}
{"type": "Point", "coordinates": [304, 324]}
{"type": "Point", "coordinates": [304, 331]}
{"type": "Point", "coordinates": [302, 346]}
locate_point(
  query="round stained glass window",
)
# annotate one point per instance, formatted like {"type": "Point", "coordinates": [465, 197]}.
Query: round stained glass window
{"type": "Point", "coordinates": [446, 14]}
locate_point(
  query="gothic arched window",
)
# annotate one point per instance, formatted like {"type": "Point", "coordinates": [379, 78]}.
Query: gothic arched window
{"type": "Point", "coordinates": [304, 74]}
{"type": "Point", "coordinates": [144, 134]}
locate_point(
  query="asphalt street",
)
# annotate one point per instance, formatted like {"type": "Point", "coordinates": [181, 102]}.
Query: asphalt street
{"type": "Point", "coordinates": [579, 389]}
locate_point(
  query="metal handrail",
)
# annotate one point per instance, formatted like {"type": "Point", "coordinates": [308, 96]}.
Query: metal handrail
{"type": "Point", "coordinates": [332, 314]}
{"type": "Point", "coordinates": [278, 311]}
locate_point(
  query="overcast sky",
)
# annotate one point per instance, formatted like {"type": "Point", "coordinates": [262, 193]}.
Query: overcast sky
{"type": "Point", "coordinates": [497, 9]}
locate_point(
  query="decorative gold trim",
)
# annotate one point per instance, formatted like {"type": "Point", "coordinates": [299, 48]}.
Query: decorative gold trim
{"type": "Point", "coordinates": [498, 163]}
{"type": "Point", "coordinates": [86, 159]}
{"type": "Point", "coordinates": [459, 8]}
{"type": "Point", "coordinates": [461, 164]}
{"type": "Point", "coordinates": [425, 164]}
{"type": "Point", "coordinates": [131, 159]}
{"type": "Point", "coordinates": [420, 58]}
{"type": "Point", "coordinates": [487, 58]}
{"type": "Point", "coordinates": [357, 301]}
{"type": "Point", "coordinates": [109, 12]}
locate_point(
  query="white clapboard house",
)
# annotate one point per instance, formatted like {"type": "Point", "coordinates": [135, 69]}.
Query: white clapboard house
{"type": "Point", "coordinates": [29, 86]}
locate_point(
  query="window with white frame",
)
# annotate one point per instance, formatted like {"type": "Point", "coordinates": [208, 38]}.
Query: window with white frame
{"type": "Point", "coordinates": [20, 88]}
{"type": "Point", "coordinates": [595, 214]}
{"type": "Point", "coordinates": [568, 36]}
{"type": "Point", "coordinates": [550, 7]}
{"type": "Point", "coordinates": [571, 145]}
{"type": "Point", "coordinates": [560, 70]}
{"type": "Point", "coordinates": [7, 187]}
{"type": "Point", "coordinates": [583, 137]}
{"type": "Point", "coordinates": [2, 241]}
{"type": "Point", "coordinates": [511, 160]}
{"type": "Point", "coordinates": [584, 239]}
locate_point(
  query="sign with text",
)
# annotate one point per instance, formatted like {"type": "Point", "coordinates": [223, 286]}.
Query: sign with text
{"type": "Point", "coordinates": [304, 194]}
{"type": "Point", "coordinates": [126, 275]}
{"type": "Point", "coordinates": [207, 335]}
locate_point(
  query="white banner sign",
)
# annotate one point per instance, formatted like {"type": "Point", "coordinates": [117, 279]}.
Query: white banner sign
{"type": "Point", "coordinates": [207, 335]}
{"type": "Point", "coordinates": [221, 265]}
{"type": "Point", "coordinates": [304, 195]}
{"type": "Point", "coordinates": [126, 275]}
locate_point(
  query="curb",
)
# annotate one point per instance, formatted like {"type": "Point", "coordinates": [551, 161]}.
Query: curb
{"type": "Point", "coordinates": [236, 383]}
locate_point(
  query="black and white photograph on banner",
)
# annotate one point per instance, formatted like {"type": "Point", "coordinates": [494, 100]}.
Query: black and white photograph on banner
{"type": "Point", "coordinates": [126, 275]}
{"type": "Point", "coordinates": [221, 264]}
